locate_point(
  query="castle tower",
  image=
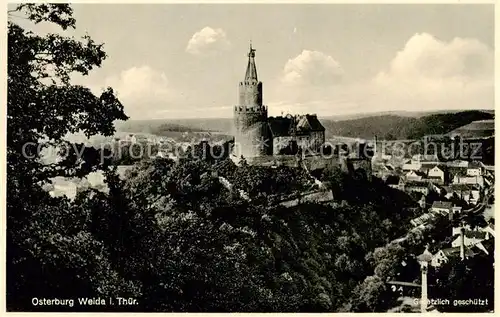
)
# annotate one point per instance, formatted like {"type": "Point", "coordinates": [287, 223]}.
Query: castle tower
{"type": "Point", "coordinates": [251, 131]}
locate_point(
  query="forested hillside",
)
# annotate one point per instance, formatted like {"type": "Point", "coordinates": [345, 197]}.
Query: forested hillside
{"type": "Point", "coordinates": [395, 127]}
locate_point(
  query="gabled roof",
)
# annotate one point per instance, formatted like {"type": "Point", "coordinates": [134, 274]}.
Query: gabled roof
{"type": "Point", "coordinates": [283, 126]}
{"type": "Point", "coordinates": [280, 126]}
{"type": "Point", "coordinates": [442, 204]}
{"type": "Point", "coordinates": [309, 123]}
{"type": "Point", "coordinates": [418, 173]}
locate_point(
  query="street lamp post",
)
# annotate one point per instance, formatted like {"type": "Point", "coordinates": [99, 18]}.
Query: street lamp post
{"type": "Point", "coordinates": [424, 259]}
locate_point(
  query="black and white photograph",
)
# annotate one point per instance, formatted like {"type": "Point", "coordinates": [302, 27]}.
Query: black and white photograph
{"type": "Point", "coordinates": [249, 157]}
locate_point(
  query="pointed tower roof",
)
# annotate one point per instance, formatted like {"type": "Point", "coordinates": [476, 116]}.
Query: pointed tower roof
{"type": "Point", "coordinates": [251, 73]}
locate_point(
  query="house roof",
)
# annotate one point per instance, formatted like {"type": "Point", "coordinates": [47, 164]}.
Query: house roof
{"type": "Point", "coordinates": [425, 256]}
{"type": "Point", "coordinates": [280, 126]}
{"type": "Point", "coordinates": [441, 168]}
{"type": "Point", "coordinates": [442, 204]}
{"type": "Point", "coordinates": [423, 218]}
{"type": "Point", "coordinates": [418, 173]}
{"type": "Point", "coordinates": [463, 187]}
{"type": "Point", "coordinates": [310, 123]}
{"type": "Point", "coordinates": [283, 126]}
{"type": "Point", "coordinates": [417, 184]}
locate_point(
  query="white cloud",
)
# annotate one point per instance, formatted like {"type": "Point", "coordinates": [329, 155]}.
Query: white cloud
{"type": "Point", "coordinates": [305, 81]}
{"type": "Point", "coordinates": [142, 90]}
{"type": "Point", "coordinates": [431, 74]}
{"type": "Point", "coordinates": [207, 41]}
{"type": "Point", "coordinates": [427, 74]}
{"type": "Point", "coordinates": [312, 68]}
{"type": "Point", "coordinates": [424, 56]}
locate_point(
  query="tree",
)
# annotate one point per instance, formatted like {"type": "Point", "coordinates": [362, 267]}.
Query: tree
{"type": "Point", "coordinates": [47, 253]}
{"type": "Point", "coordinates": [372, 295]}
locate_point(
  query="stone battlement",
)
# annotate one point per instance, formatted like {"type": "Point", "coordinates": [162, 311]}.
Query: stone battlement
{"type": "Point", "coordinates": [244, 109]}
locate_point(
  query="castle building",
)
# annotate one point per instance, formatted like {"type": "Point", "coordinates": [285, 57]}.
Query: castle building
{"type": "Point", "coordinates": [257, 135]}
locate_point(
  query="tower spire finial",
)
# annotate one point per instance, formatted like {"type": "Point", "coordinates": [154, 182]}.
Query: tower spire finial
{"type": "Point", "coordinates": [251, 73]}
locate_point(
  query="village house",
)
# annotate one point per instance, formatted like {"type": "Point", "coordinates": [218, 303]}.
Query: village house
{"type": "Point", "coordinates": [412, 166]}
{"type": "Point", "coordinates": [138, 138]}
{"type": "Point", "coordinates": [434, 180]}
{"type": "Point", "coordinates": [474, 169]}
{"type": "Point", "coordinates": [471, 180]}
{"type": "Point", "coordinates": [422, 220]}
{"type": "Point", "coordinates": [458, 163]}
{"type": "Point", "coordinates": [395, 182]}
{"type": "Point", "coordinates": [444, 255]}
{"type": "Point", "coordinates": [442, 207]}
{"type": "Point", "coordinates": [418, 187]}
{"type": "Point", "coordinates": [471, 238]}
{"type": "Point", "coordinates": [436, 173]}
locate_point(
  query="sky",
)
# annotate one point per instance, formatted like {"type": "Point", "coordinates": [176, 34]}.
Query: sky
{"type": "Point", "coordinates": [170, 61]}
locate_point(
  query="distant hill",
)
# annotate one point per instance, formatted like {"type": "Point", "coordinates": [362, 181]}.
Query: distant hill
{"type": "Point", "coordinates": [411, 114]}
{"type": "Point", "coordinates": [403, 125]}
{"type": "Point", "coordinates": [392, 127]}
{"type": "Point", "coordinates": [176, 125]}
{"type": "Point", "coordinates": [476, 129]}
